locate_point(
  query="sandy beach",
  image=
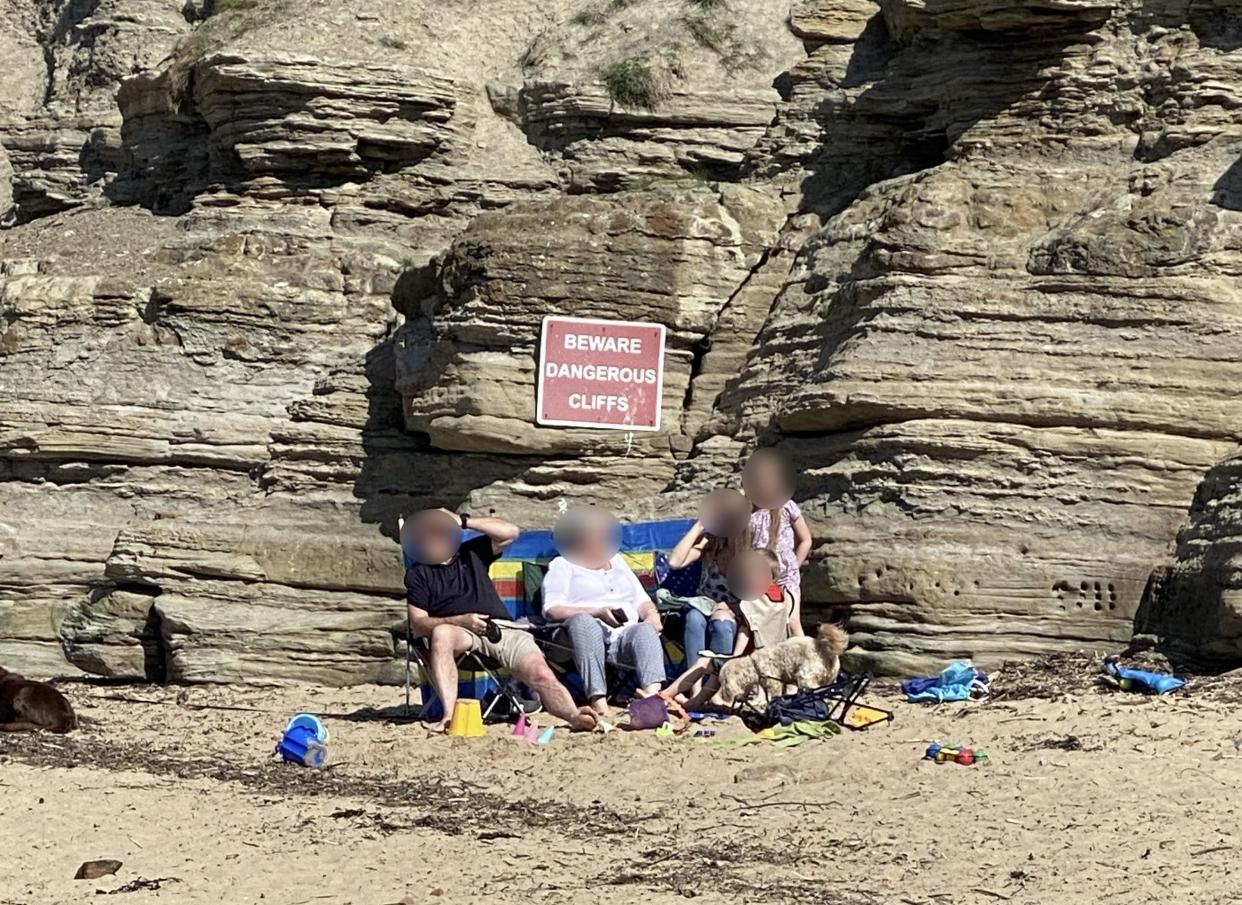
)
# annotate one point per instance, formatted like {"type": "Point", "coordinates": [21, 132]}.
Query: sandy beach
{"type": "Point", "coordinates": [1092, 795]}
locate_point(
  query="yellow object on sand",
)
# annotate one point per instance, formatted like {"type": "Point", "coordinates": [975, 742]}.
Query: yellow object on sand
{"type": "Point", "coordinates": [467, 720]}
{"type": "Point", "coordinates": [860, 717]}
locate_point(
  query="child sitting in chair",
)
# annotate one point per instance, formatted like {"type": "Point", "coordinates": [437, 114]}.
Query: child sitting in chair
{"type": "Point", "coordinates": [763, 611]}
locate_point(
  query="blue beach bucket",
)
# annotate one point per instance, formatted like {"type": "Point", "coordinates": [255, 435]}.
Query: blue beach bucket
{"type": "Point", "coordinates": [305, 741]}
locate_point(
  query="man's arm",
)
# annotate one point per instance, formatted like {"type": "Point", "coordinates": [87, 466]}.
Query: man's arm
{"type": "Point", "coordinates": [502, 532]}
{"type": "Point", "coordinates": [423, 623]}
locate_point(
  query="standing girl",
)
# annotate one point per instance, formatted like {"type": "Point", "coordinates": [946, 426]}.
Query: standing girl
{"type": "Point", "coordinates": [777, 524]}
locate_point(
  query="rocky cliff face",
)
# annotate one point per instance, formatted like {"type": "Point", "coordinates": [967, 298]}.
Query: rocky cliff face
{"type": "Point", "coordinates": [274, 273]}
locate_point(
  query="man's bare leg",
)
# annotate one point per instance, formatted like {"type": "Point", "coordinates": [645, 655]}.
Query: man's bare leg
{"type": "Point", "coordinates": [447, 642]}
{"type": "Point", "coordinates": [535, 672]}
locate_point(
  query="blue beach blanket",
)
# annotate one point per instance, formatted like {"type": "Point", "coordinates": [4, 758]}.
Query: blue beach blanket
{"type": "Point", "coordinates": [958, 682]}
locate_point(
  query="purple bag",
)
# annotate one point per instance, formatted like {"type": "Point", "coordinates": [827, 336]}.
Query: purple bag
{"type": "Point", "coordinates": [648, 713]}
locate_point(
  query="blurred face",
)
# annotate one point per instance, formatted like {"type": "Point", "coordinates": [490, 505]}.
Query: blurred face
{"type": "Point", "coordinates": [750, 575]}
{"type": "Point", "coordinates": [724, 513]}
{"type": "Point", "coordinates": [587, 536]}
{"type": "Point", "coordinates": [768, 479]}
{"type": "Point", "coordinates": [431, 536]}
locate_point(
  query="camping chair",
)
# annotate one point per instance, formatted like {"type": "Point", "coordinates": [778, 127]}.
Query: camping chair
{"type": "Point", "coordinates": [560, 657]}
{"type": "Point", "coordinates": [505, 687]}
{"type": "Point", "coordinates": [836, 702]}
{"type": "Point", "coordinates": [417, 651]}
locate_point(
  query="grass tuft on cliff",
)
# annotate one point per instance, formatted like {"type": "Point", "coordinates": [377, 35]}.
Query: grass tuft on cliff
{"type": "Point", "coordinates": [232, 6]}
{"type": "Point", "coordinates": [598, 14]}
{"type": "Point", "coordinates": [634, 83]}
{"type": "Point", "coordinates": [719, 35]}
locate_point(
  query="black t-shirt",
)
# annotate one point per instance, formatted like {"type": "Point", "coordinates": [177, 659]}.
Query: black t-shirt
{"type": "Point", "coordinates": [458, 587]}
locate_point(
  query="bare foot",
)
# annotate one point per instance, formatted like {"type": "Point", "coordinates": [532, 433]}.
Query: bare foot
{"type": "Point", "coordinates": [583, 721]}
{"type": "Point", "coordinates": [439, 727]}
{"type": "Point", "coordinates": [600, 707]}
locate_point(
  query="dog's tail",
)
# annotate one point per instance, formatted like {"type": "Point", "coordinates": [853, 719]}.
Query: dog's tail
{"type": "Point", "coordinates": [832, 638]}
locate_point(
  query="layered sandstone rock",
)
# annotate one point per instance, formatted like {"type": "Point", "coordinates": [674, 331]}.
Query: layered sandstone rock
{"type": "Point", "coordinates": [1008, 370]}
{"type": "Point", "coordinates": [675, 257]}
{"type": "Point", "coordinates": [604, 146]}
{"type": "Point", "coordinates": [204, 448]}
{"type": "Point", "coordinates": [64, 61]}
{"type": "Point", "coordinates": [1194, 609]}
{"type": "Point", "coordinates": [971, 263]}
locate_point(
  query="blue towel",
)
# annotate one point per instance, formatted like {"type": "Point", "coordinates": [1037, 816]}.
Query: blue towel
{"type": "Point", "coordinates": [958, 682]}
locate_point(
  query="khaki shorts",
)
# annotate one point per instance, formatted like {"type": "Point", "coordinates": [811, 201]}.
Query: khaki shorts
{"type": "Point", "coordinates": [513, 647]}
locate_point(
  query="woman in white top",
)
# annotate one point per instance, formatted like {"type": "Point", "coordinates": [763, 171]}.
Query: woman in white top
{"type": "Point", "coordinates": [607, 616]}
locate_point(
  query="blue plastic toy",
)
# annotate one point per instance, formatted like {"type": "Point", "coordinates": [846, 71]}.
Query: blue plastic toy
{"type": "Point", "coordinates": [1141, 679]}
{"type": "Point", "coordinates": [304, 742]}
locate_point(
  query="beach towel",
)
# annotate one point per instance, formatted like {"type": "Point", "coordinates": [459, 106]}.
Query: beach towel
{"type": "Point", "coordinates": [958, 682]}
{"type": "Point", "coordinates": [792, 735]}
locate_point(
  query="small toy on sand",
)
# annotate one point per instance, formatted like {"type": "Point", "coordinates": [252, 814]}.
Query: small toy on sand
{"type": "Point", "coordinates": [305, 741]}
{"type": "Point", "coordinates": [943, 754]}
{"type": "Point", "coordinates": [546, 735]}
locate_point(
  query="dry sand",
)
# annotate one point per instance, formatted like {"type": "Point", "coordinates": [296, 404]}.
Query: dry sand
{"type": "Point", "coordinates": [1092, 796]}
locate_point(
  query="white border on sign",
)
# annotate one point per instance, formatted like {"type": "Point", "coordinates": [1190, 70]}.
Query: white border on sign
{"type": "Point", "coordinates": [543, 344]}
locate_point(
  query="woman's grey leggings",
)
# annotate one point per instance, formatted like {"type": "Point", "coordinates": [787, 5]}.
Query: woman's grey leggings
{"type": "Point", "coordinates": [637, 647]}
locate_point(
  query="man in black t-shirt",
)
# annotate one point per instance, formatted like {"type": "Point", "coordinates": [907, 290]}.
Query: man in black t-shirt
{"type": "Point", "coordinates": [451, 601]}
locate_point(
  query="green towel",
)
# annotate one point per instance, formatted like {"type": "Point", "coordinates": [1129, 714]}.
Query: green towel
{"type": "Point", "coordinates": [793, 734]}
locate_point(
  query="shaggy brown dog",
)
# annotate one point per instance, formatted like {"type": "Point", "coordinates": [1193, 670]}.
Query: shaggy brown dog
{"type": "Point", "coordinates": [26, 706]}
{"type": "Point", "coordinates": [801, 662]}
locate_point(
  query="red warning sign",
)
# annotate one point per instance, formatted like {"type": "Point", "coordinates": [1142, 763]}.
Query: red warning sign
{"type": "Point", "coordinates": [596, 373]}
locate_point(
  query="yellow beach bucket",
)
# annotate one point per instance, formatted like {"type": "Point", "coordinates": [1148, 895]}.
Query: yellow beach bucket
{"type": "Point", "coordinates": [467, 720]}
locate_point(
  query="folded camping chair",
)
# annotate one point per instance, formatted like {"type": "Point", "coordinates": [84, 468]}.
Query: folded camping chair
{"type": "Point", "coordinates": [416, 651]}
{"type": "Point", "coordinates": [836, 702]}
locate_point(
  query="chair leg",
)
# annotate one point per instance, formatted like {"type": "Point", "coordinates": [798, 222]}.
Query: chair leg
{"type": "Point", "coordinates": [487, 712]}
{"type": "Point", "coordinates": [509, 692]}
{"type": "Point", "coordinates": [409, 667]}
{"type": "Point", "coordinates": [502, 687]}
{"type": "Point", "coordinates": [414, 656]}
